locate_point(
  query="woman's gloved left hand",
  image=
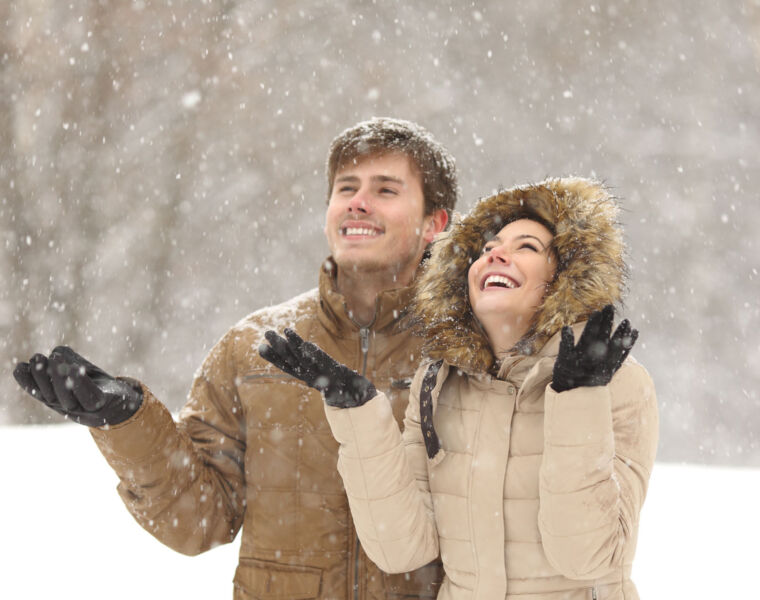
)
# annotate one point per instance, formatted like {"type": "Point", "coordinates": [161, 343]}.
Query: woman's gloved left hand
{"type": "Point", "coordinates": [341, 387]}
{"type": "Point", "coordinates": [597, 356]}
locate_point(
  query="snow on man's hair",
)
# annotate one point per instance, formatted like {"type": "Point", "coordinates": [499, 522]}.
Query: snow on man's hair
{"type": "Point", "coordinates": [383, 135]}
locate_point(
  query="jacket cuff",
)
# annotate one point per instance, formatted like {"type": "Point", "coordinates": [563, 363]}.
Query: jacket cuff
{"type": "Point", "coordinates": [363, 429]}
{"type": "Point", "coordinates": [580, 416]}
{"type": "Point", "coordinates": [579, 444]}
{"type": "Point", "coordinates": [140, 434]}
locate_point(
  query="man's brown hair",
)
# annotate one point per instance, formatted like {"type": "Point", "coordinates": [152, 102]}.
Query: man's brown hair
{"type": "Point", "coordinates": [383, 135]}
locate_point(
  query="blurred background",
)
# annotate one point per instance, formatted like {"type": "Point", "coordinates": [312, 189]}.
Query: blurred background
{"type": "Point", "coordinates": [162, 169]}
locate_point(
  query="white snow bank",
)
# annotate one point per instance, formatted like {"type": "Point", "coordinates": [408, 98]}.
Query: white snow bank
{"type": "Point", "coordinates": [64, 530]}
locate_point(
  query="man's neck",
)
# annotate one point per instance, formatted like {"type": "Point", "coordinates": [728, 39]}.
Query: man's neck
{"type": "Point", "coordinates": [361, 291]}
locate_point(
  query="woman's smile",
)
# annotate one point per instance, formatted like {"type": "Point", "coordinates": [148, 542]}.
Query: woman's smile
{"type": "Point", "coordinates": [498, 282]}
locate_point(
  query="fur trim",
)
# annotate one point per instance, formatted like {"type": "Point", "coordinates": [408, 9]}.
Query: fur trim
{"type": "Point", "coordinates": [591, 271]}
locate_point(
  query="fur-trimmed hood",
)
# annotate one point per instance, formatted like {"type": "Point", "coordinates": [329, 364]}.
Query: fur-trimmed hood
{"type": "Point", "coordinates": [591, 271]}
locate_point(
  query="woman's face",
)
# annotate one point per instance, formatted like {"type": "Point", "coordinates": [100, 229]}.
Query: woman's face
{"type": "Point", "coordinates": [508, 282]}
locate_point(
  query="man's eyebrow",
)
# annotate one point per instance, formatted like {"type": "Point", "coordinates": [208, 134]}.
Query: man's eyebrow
{"type": "Point", "coordinates": [390, 178]}
{"type": "Point", "coordinates": [374, 178]}
{"type": "Point", "coordinates": [346, 178]}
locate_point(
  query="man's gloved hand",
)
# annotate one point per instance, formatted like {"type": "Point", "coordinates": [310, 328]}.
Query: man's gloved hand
{"type": "Point", "coordinates": [597, 356]}
{"type": "Point", "coordinates": [74, 387]}
{"type": "Point", "coordinates": [341, 386]}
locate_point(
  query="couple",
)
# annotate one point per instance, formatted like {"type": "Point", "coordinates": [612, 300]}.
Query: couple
{"type": "Point", "coordinates": [524, 461]}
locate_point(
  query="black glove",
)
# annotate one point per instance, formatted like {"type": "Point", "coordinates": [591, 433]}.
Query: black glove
{"type": "Point", "coordinates": [341, 386]}
{"type": "Point", "coordinates": [77, 389]}
{"type": "Point", "coordinates": [597, 356]}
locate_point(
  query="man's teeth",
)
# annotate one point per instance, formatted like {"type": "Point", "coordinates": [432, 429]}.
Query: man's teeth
{"type": "Point", "coordinates": [359, 231]}
{"type": "Point", "coordinates": [499, 281]}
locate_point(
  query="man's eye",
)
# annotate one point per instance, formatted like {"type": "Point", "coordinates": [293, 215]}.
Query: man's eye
{"type": "Point", "coordinates": [346, 188]}
{"type": "Point", "coordinates": [388, 191]}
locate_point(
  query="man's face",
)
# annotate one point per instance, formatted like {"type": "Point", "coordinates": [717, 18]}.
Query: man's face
{"type": "Point", "coordinates": [375, 221]}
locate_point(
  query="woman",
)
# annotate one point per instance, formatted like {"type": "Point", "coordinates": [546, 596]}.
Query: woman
{"type": "Point", "coordinates": [525, 457]}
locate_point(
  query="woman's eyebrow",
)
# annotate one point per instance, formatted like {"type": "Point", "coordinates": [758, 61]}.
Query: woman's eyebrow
{"type": "Point", "coordinates": [527, 235]}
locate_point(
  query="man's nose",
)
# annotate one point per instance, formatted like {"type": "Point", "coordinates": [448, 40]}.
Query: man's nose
{"type": "Point", "coordinates": [359, 202]}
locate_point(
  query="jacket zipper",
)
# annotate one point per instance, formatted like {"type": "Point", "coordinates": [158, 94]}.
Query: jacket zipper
{"type": "Point", "coordinates": [364, 340]}
{"type": "Point", "coordinates": [593, 593]}
{"type": "Point", "coordinates": [364, 344]}
{"type": "Point", "coordinates": [356, 566]}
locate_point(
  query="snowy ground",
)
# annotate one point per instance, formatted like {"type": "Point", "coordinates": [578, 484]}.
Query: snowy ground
{"type": "Point", "coordinates": [64, 531]}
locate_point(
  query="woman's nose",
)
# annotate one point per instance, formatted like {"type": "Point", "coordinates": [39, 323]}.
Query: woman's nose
{"type": "Point", "coordinates": [499, 255]}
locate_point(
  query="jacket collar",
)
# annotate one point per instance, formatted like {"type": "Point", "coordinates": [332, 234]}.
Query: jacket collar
{"type": "Point", "coordinates": [391, 306]}
{"type": "Point", "coordinates": [516, 368]}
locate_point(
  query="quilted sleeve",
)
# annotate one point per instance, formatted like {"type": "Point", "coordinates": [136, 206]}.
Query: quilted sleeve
{"type": "Point", "coordinates": [384, 475]}
{"type": "Point", "coordinates": [184, 481]}
{"type": "Point", "coordinates": [599, 449]}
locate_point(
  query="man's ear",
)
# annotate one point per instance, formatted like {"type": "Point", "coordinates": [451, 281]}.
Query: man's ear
{"type": "Point", "coordinates": [435, 223]}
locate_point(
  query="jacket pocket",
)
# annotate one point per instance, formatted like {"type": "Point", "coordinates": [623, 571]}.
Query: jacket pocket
{"type": "Point", "coordinates": [275, 581]}
{"type": "Point", "coordinates": [422, 583]}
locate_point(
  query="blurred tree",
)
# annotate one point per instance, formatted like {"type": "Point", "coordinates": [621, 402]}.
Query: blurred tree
{"type": "Point", "coordinates": [161, 168]}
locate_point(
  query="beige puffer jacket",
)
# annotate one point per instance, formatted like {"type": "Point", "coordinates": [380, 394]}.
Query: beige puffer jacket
{"type": "Point", "coordinates": [527, 493]}
{"type": "Point", "coordinates": [252, 448]}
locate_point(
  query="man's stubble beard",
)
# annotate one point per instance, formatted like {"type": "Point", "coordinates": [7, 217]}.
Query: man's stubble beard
{"type": "Point", "coordinates": [371, 266]}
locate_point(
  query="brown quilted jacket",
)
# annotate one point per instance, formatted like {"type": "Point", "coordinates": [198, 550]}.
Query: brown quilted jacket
{"type": "Point", "coordinates": [252, 448]}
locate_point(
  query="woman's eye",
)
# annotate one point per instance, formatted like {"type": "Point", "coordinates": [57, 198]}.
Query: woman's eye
{"type": "Point", "coordinates": [486, 249]}
{"type": "Point", "coordinates": [529, 246]}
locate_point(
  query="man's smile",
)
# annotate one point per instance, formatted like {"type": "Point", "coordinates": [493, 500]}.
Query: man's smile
{"type": "Point", "coordinates": [360, 229]}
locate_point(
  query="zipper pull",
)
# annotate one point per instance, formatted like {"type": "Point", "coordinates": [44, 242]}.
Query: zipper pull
{"type": "Point", "coordinates": [593, 593]}
{"type": "Point", "coordinates": [364, 337]}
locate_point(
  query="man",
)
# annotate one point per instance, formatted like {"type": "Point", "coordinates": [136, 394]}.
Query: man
{"type": "Point", "coordinates": [252, 447]}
